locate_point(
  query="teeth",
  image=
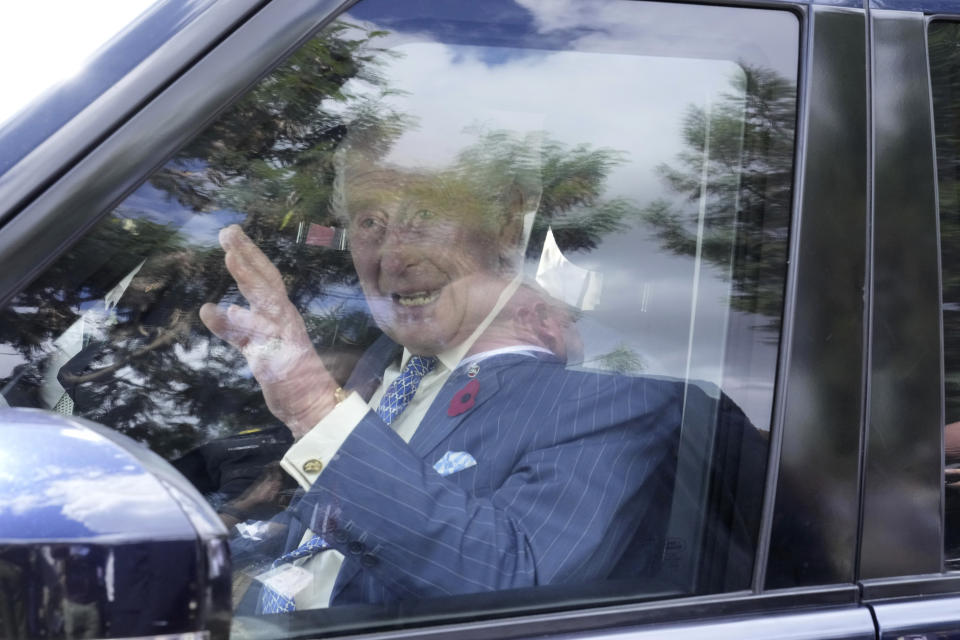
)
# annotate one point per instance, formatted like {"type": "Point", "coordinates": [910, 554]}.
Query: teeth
{"type": "Point", "coordinates": [418, 299]}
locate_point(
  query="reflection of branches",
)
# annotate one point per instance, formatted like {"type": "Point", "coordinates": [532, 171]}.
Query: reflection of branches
{"type": "Point", "coordinates": [178, 327]}
{"type": "Point", "coordinates": [269, 158]}
{"type": "Point", "coordinates": [270, 154]}
{"type": "Point", "coordinates": [143, 387]}
{"type": "Point", "coordinates": [622, 359]}
{"type": "Point", "coordinates": [569, 182]}
{"type": "Point", "coordinates": [746, 195]}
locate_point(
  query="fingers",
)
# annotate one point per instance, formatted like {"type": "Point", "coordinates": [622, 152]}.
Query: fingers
{"type": "Point", "coordinates": [234, 240]}
{"type": "Point", "coordinates": [272, 337]}
{"type": "Point", "coordinates": [272, 323]}
{"type": "Point", "coordinates": [215, 319]}
{"type": "Point", "coordinates": [237, 326]}
{"type": "Point", "coordinates": [257, 278]}
{"type": "Point", "coordinates": [271, 352]}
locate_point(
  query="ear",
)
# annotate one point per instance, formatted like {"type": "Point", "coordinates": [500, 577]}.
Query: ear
{"type": "Point", "coordinates": [510, 234]}
{"type": "Point", "coordinates": [547, 329]}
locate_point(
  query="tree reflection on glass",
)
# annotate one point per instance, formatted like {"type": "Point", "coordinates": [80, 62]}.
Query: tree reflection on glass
{"type": "Point", "coordinates": [142, 363]}
{"type": "Point", "coordinates": [738, 162]}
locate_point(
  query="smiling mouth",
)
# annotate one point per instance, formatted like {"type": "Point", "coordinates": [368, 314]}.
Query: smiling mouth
{"type": "Point", "coordinates": [418, 299]}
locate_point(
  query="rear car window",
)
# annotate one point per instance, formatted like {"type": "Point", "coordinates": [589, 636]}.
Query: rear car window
{"type": "Point", "coordinates": [945, 81]}
{"type": "Point", "coordinates": [500, 310]}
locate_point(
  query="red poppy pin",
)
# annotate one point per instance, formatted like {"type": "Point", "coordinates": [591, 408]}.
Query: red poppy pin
{"type": "Point", "coordinates": [464, 399]}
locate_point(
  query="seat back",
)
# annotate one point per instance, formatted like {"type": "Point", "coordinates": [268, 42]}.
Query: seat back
{"type": "Point", "coordinates": [717, 497]}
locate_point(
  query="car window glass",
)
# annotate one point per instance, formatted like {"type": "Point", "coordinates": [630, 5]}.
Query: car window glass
{"type": "Point", "coordinates": [945, 81]}
{"type": "Point", "coordinates": [514, 324]}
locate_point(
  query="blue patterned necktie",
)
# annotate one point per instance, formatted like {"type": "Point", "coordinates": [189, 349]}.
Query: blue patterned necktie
{"type": "Point", "coordinates": [401, 390]}
{"type": "Point", "coordinates": [272, 601]}
{"type": "Point", "coordinates": [394, 401]}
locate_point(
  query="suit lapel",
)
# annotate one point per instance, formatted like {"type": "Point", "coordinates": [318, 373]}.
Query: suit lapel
{"type": "Point", "coordinates": [434, 428]}
{"type": "Point", "coordinates": [437, 424]}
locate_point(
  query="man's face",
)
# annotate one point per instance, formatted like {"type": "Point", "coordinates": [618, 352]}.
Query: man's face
{"type": "Point", "coordinates": [427, 256]}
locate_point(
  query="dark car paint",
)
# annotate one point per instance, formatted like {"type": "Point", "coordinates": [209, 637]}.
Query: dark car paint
{"type": "Point", "coordinates": [81, 532]}
{"type": "Point", "coordinates": [40, 119]}
{"type": "Point", "coordinates": [813, 541]}
{"type": "Point", "coordinates": [904, 439]}
{"type": "Point", "coordinates": [198, 28]}
{"type": "Point", "coordinates": [844, 415]}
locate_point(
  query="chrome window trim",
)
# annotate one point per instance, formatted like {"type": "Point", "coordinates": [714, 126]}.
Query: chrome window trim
{"type": "Point", "coordinates": [842, 624]}
{"type": "Point", "coordinates": [189, 635]}
{"type": "Point", "coordinates": [931, 585]}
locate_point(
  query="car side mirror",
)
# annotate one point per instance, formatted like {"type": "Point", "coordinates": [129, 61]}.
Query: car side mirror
{"type": "Point", "coordinates": [101, 538]}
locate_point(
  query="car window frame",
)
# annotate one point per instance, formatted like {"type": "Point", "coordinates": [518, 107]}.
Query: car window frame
{"type": "Point", "coordinates": [913, 596]}
{"type": "Point", "coordinates": [54, 156]}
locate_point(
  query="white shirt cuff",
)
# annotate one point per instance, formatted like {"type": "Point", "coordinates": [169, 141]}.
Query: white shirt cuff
{"type": "Point", "coordinates": [308, 457]}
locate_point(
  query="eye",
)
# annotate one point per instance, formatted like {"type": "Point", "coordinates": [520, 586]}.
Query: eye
{"type": "Point", "coordinates": [425, 214]}
{"type": "Point", "coordinates": [368, 223]}
{"type": "Point", "coordinates": [366, 228]}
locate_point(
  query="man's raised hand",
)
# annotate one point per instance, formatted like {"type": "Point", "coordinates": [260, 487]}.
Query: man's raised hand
{"type": "Point", "coordinates": [272, 336]}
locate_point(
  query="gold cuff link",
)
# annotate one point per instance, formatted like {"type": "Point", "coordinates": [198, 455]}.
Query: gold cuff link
{"type": "Point", "coordinates": [312, 466]}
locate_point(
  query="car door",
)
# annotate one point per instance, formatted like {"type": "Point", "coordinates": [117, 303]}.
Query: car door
{"type": "Point", "coordinates": [912, 590]}
{"type": "Point", "coordinates": [700, 174]}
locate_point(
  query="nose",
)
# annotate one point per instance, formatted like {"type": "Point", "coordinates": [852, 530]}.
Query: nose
{"type": "Point", "coordinates": [399, 250]}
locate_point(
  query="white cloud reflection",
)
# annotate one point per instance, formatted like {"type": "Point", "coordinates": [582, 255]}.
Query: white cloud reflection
{"type": "Point", "coordinates": [104, 502]}
{"type": "Point", "coordinates": [631, 103]}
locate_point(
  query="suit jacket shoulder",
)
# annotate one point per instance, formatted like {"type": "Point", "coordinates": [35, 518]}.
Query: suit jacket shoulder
{"type": "Point", "coordinates": [566, 468]}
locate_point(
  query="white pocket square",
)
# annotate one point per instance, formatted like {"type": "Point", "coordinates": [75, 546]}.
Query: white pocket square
{"type": "Point", "coordinates": [453, 461]}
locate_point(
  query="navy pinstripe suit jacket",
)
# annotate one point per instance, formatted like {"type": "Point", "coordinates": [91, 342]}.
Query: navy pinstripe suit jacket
{"type": "Point", "coordinates": [572, 468]}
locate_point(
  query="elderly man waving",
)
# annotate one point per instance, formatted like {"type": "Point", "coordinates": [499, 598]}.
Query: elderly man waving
{"type": "Point", "coordinates": [462, 455]}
